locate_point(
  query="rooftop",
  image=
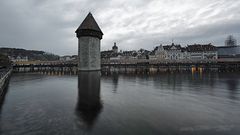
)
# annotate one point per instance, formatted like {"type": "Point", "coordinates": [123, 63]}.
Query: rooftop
{"type": "Point", "coordinates": [89, 23]}
{"type": "Point", "coordinates": [89, 27]}
{"type": "Point", "coordinates": [200, 48]}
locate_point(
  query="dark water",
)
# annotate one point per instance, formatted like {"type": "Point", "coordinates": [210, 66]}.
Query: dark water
{"type": "Point", "coordinates": [167, 104]}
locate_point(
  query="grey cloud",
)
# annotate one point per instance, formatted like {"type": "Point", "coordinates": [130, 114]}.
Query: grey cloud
{"type": "Point", "coordinates": [49, 25]}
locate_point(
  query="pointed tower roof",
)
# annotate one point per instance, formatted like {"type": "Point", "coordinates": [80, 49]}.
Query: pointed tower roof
{"type": "Point", "coordinates": [89, 23]}
{"type": "Point", "coordinates": [89, 27]}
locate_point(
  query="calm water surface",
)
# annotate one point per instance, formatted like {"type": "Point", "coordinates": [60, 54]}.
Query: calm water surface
{"type": "Point", "coordinates": [167, 104]}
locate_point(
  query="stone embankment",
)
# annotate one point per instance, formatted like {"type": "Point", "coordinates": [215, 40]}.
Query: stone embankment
{"type": "Point", "coordinates": [5, 75]}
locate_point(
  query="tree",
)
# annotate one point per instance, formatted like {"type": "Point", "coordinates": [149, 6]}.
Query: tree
{"type": "Point", "coordinates": [4, 61]}
{"type": "Point", "coordinates": [230, 41]}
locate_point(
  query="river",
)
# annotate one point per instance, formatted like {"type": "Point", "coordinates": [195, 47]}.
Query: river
{"type": "Point", "coordinates": [168, 104]}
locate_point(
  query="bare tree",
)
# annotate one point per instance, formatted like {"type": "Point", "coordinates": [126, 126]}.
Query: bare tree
{"type": "Point", "coordinates": [230, 41]}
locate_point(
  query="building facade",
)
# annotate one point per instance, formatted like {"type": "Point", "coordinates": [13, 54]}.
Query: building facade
{"type": "Point", "coordinates": [168, 53]}
{"type": "Point", "coordinates": [18, 58]}
{"type": "Point", "coordinates": [202, 52]}
{"type": "Point", "coordinates": [158, 53]}
{"type": "Point", "coordinates": [174, 52]}
{"type": "Point", "coordinates": [228, 51]}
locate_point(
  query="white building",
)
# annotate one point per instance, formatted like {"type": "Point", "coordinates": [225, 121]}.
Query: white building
{"type": "Point", "coordinates": [202, 52]}
{"type": "Point", "coordinates": [158, 53]}
{"type": "Point", "coordinates": [66, 58]}
{"type": "Point", "coordinates": [175, 52]}
{"type": "Point", "coordinates": [19, 58]}
{"type": "Point", "coordinates": [116, 57]}
{"type": "Point", "coordinates": [129, 54]}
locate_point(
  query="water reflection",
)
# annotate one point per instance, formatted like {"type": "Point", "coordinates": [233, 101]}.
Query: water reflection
{"type": "Point", "coordinates": [2, 97]}
{"type": "Point", "coordinates": [115, 82]}
{"type": "Point", "coordinates": [232, 87]}
{"type": "Point", "coordinates": [89, 102]}
{"type": "Point", "coordinates": [154, 104]}
{"type": "Point", "coordinates": [232, 84]}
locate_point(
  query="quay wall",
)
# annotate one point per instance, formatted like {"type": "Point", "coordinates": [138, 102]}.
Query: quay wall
{"type": "Point", "coordinates": [4, 80]}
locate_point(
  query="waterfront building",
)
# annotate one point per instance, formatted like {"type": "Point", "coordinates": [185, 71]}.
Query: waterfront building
{"type": "Point", "coordinates": [68, 58]}
{"type": "Point", "coordinates": [116, 57]}
{"type": "Point", "coordinates": [129, 54]}
{"type": "Point", "coordinates": [228, 51]}
{"type": "Point", "coordinates": [152, 56]}
{"type": "Point", "coordinates": [143, 54]}
{"type": "Point", "coordinates": [111, 54]}
{"type": "Point", "coordinates": [158, 53]}
{"type": "Point", "coordinates": [202, 52]}
{"type": "Point", "coordinates": [89, 35]}
{"type": "Point", "coordinates": [65, 58]}
{"type": "Point", "coordinates": [18, 58]}
{"type": "Point", "coordinates": [105, 55]}
{"type": "Point", "coordinates": [174, 52]}
{"type": "Point", "coordinates": [170, 53]}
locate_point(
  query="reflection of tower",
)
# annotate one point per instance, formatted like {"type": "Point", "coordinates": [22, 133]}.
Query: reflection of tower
{"type": "Point", "coordinates": [115, 48]}
{"type": "Point", "coordinates": [89, 35]}
{"type": "Point", "coordinates": [232, 85]}
{"type": "Point", "coordinates": [89, 102]}
{"type": "Point", "coordinates": [115, 82]}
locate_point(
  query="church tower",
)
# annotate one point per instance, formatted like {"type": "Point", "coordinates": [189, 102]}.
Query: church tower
{"type": "Point", "coordinates": [89, 42]}
{"type": "Point", "coordinates": [115, 48]}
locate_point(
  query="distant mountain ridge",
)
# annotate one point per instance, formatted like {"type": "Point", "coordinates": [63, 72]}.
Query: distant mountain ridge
{"type": "Point", "coordinates": [30, 54]}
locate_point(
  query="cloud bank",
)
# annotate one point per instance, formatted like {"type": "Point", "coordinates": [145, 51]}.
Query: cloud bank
{"type": "Point", "coordinates": [49, 25]}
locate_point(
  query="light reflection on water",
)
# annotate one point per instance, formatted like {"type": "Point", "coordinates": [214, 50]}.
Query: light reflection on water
{"type": "Point", "coordinates": [122, 104]}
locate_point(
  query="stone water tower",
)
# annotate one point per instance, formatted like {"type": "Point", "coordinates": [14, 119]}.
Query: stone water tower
{"type": "Point", "coordinates": [89, 35]}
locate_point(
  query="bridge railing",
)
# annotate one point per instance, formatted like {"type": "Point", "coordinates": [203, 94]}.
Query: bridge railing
{"type": "Point", "coordinates": [4, 72]}
{"type": "Point", "coordinates": [127, 61]}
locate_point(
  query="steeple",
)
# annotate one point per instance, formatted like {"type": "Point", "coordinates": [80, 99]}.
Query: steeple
{"type": "Point", "coordinates": [89, 27]}
{"type": "Point", "coordinates": [115, 45]}
{"type": "Point", "coordinates": [115, 48]}
{"type": "Point", "coordinates": [172, 42]}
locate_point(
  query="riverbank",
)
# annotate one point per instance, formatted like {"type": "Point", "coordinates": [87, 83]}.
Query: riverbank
{"type": "Point", "coordinates": [4, 79]}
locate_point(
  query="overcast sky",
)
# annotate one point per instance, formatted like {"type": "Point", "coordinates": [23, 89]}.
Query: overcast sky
{"type": "Point", "coordinates": [50, 25]}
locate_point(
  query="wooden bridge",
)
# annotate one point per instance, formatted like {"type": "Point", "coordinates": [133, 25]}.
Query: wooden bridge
{"type": "Point", "coordinates": [131, 66]}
